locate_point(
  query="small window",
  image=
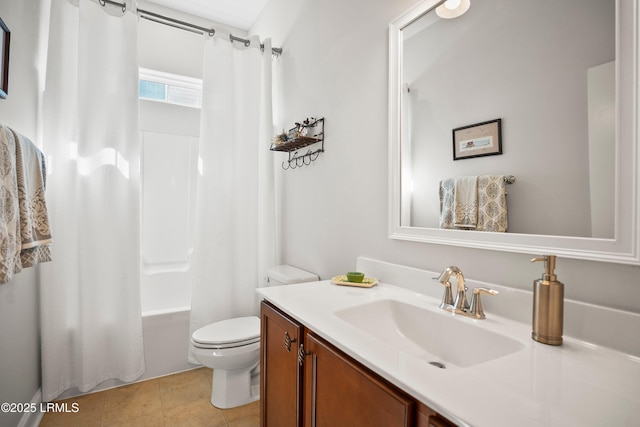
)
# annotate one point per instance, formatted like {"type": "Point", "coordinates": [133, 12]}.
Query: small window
{"type": "Point", "coordinates": [184, 96]}
{"type": "Point", "coordinates": [170, 88]}
{"type": "Point", "coordinates": [153, 90]}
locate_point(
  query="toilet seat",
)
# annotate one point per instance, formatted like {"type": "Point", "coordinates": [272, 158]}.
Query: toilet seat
{"type": "Point", "coordinates": [230, 333]}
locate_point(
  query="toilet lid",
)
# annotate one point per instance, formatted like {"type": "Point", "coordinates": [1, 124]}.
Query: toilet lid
{"type": "Point", "coordinates": [228, 333]}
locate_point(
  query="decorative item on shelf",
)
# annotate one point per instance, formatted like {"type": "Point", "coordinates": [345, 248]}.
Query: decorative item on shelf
{"type": "Point", "coordinates": [280, 139]}
{"type": "Point", "coordinates": [309, 132]}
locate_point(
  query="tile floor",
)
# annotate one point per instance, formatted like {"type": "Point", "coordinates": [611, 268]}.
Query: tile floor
{"type": "Point", "coordinates": [176, 400]}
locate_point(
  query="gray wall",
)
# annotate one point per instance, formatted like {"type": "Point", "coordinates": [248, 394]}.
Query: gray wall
{"type": "Point", "coordinates": [19, 321]}
{"type": "Point", "coordinates": [335, 64]}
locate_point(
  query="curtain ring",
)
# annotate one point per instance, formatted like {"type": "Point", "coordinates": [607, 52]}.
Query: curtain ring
{"type": "Point", "coordinates": [123, 5]}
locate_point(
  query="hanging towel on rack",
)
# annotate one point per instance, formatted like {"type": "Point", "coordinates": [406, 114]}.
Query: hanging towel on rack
{"type": "Point", "coordinates": [25, 236]}
{"type": "Point", "coordinates": [446, 191]}
{"type": "Point", "coordinates": [491, 206]}
{"type": "Point", "coordinates": [492, 203]}
{"type": "Point", "coordinates": [465, 206]}
{"type": "Point", "coordinates": [35, 234]}
{"type": "Point", "coordinates": [9, 208]}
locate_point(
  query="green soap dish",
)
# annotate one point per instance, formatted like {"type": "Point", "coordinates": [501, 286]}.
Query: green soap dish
{"type": "Point", "coordinates": [355, 276]}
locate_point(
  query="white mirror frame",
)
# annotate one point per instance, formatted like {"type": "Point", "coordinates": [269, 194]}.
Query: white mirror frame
{"type": "Point", "coordinates": [624, 248]}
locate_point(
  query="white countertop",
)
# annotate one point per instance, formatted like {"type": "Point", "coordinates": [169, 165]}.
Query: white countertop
{"type": "Point", "coordinates": [576, 384]}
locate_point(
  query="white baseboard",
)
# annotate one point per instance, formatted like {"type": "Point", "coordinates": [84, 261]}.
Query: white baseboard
{"type": "Point", "coordinates": [32, 419]}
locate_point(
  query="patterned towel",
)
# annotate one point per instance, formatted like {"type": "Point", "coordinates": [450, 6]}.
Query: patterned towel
{"type": "Point", "coordinates": [465, 207]}
{"type": "Point", "coordinates": [491, 204]}
{"type": "Point", "coordinates": [446, 190]}
{"type": "Point", "coordinates": [26, 238]}
{"type": "Point", "coordinates": [35, 234]}
{"type": "Point", "coordinates": [9, 208]}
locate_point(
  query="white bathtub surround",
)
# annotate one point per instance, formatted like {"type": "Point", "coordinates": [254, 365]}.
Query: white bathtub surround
{"type": "Point", "coordinates": [235, 207]}
{"type": "Point", "coordinates": [91, 327]}
{"type": "Point", "coordinates": [168, 195]}
{"type": "Point", "coordinates": [166, 336]}
{"type": "Point", "coordinates": [576, 384]}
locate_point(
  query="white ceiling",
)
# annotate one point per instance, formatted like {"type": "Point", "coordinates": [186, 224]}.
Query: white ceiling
{"type": "Point", "coordinates": [236, 13]}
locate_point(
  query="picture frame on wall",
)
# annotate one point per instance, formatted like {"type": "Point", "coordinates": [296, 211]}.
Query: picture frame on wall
{"type": "Point", "coordinates": [5, 39]}
{"type": "Point", "coordinates": [478, 140]}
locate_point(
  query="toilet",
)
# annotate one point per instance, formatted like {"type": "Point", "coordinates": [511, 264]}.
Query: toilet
{"type": "Point", "coordinates": [232, 348]}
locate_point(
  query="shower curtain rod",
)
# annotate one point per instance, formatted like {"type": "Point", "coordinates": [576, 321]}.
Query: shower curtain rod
{"type": "Point", "coordinates": [182, 25]}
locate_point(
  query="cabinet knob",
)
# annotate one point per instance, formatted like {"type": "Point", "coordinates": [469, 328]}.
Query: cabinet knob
{"type": "Point", "coordinates": [288, 341]}
{"type": "Point", "coordinates": [302, 354]}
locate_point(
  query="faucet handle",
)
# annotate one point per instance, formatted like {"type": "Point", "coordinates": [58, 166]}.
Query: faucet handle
{"type": "Point", "coordinates": [461, 303]}
{"type": "Point", "coordinates": [475, 309]}
{"type": "Point", "coordinates": [447, 297]}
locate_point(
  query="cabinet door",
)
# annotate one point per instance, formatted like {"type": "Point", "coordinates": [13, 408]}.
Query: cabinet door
{"type": "Point", "coordinates": [280, 373]}
{"type": "Point", "coordinates": [339, 392]}
{"type": "Point", "coordinates": [427, 417]}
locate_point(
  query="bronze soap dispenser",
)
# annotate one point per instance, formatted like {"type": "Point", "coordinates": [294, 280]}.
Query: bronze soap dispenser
{"type": "Point", "coordinates": [548, 304]}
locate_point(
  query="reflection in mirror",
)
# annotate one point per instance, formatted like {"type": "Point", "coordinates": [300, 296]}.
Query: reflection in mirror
{"type": "Point", "coordinates": [549, 74]}
{"type": "Point", "coordinates": [563, 79]}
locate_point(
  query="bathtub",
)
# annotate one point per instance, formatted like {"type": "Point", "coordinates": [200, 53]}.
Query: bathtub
{"type": "Point", "coordinates": [166, 307]}
{"type": "Point", "coordinates": [166, 341]}
{"type": "Point", "coordinates": [166, 345]}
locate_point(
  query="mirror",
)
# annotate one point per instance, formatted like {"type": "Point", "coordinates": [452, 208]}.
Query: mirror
{"type": "Point", "coordinates": [562, 82]}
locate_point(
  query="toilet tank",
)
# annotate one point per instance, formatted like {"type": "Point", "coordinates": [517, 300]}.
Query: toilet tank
{"type": "Point", "coordinates": [287, 275]}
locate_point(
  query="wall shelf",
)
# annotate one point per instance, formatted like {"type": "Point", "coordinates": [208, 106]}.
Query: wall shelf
{"type": "Point", "coordinates": [309, 132]}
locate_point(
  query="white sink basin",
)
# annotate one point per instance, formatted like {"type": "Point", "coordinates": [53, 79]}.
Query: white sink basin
{"type": "Point", "coordinates": [436, 336]}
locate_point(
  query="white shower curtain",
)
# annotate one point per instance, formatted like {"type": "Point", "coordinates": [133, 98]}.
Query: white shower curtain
{"type": "Point", "coordinates": [235, 241]}
{"type": "Point", "coordinates": [90, 296]}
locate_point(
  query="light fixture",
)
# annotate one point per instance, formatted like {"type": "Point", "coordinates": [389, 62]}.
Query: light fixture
{"type": "Point", "coordinates": [452, 8]}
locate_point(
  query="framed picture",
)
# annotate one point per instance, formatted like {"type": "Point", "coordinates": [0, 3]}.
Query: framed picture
{"type": "Point", "coordinates": [5, 38]}
{"type": "Point", "coordinates": [481, 139]}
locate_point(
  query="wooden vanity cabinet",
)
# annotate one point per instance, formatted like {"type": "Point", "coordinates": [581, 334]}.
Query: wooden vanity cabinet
{"type": "Point", "coordinates": [427, 417]}
{"type": "Point", "coordinates": [339, 392]}
{"type": "Point", "coordinates": [280, 372]}
{"type": "Point", "coordinates": [318, 385]}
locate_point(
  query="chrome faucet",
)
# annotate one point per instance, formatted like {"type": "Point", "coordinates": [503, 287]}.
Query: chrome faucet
{"type": "Point", "coordinates": [460, 305]}
{"type": "Point", "coordinates": [461, 302]}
